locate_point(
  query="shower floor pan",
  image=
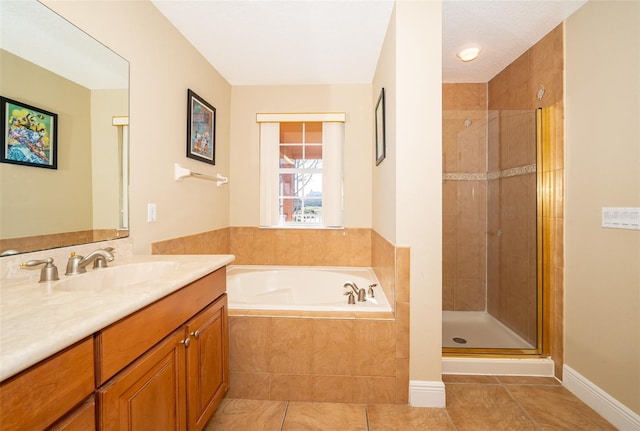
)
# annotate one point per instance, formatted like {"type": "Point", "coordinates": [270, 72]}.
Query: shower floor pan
{"type": "Point", "coordinates": [478, 330]}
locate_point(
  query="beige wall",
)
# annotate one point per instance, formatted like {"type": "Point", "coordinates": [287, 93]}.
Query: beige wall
{"type": "Point", "coordinates": [602, 159]}
{"type": "Point", "coordinates": [30, 194]}
{"type": "Point", "coordinates": [163, 65]}
{"type": "Point", "coordinates": [410, 179]}
{"type": "Point", "coordinates": [353, 100]}
{"type": "Point", "coordinates": [384, 174]}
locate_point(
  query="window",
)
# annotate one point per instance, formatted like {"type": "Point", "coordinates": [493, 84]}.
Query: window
{"type": "Point", "coordinates": [301, 170]}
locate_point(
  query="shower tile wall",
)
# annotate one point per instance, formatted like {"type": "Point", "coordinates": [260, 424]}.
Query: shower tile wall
{"type": "Point", "coordinates": [513, 96]}
{"type": "Point", "coordinates": [464, 130]}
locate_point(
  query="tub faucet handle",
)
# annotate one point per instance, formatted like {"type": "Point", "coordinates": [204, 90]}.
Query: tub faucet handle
{"type": "Point", "coordinates": [370, 293]}
{"type": "Point", "coordinates": [351, 299]}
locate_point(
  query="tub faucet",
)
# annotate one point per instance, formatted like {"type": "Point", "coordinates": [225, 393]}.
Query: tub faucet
{"type": "Point", "coordinates": [361, 293]}
{"type": "Point", "coordinates": [77, 264]}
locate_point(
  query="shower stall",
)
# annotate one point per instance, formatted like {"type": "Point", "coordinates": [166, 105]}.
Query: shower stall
{"type": "Point", "coordinates": [492, 279]}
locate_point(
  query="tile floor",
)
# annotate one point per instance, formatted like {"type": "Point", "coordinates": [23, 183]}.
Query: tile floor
{"type": "Point", "coordinates": [494, 403]}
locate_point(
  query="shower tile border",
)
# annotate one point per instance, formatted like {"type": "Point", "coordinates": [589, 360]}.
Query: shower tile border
{"type": "Point", "coordinates": [483, 176]}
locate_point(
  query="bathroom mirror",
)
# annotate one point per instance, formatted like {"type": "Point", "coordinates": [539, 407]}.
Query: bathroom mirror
{"type": "Point", "coordinates": [48, 63]}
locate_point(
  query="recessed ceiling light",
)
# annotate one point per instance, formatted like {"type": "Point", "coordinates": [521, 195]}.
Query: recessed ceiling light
{"type": "Point", "coordinates": [468, 54]}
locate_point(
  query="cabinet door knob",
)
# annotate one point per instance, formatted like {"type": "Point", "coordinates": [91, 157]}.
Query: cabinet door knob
{"type": "Point", "coordinates": [196, 334]}
{"type": "Point", "coordinates": [186, 342]}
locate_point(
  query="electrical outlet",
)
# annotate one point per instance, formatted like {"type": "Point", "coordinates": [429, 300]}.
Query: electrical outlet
{"type": "Point", "coordinates": [151, 213]}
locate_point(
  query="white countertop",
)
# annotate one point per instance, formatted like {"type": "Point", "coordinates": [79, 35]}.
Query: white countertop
{"type": "Point", "coordinates": [38, 320]}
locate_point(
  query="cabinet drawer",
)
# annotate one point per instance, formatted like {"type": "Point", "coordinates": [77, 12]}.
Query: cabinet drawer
{"type": "Point", "coordinates": [82, 418]}
{"type": "Point", "coordinates": [121, 343]}
{"type": "Point", "coordinates": [40, 395]}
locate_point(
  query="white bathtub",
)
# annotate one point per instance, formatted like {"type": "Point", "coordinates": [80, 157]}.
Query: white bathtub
{"type": "Point", "coordinates": [305, 288]}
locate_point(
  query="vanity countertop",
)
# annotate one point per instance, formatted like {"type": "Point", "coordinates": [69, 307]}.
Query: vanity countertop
{"type": "Point", "coordinates": [38, 320]}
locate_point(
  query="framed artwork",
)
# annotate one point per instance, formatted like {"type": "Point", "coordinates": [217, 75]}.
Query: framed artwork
{"type": "Point", "coordinates": [29, 135]}
{"type": "Point", "coordinates": [381, 146]}
{"type": "Point", "coordinates": [201, 129]}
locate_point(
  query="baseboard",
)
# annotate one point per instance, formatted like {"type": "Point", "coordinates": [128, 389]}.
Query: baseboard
{"type": "Point", "coordinates": [498, 366]}
{"type": "Point", "coordinates": [600, 401]}
{"type": "Point", "coordinates": [427, 394]}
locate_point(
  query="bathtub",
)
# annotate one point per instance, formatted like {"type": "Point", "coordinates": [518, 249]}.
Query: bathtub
{"type": "Point", "coordinates": [305, 288]}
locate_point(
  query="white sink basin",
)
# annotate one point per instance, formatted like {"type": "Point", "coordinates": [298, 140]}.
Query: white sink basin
{"type": "Point", "coordinates": [121, 275]}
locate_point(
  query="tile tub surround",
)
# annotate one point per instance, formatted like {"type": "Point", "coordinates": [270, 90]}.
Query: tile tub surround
{"type": "Point", "coordinates": [323, 358]}
{"type": "Point", "coordinates": [474, 403]}
{"type": "Point", "coordinates": [272, 246]}
{"type": "Point", "coordinates": [304, 247]}
{"type": "Point", "coordinates": [254, 375]}
{"type": "Point", "coordinates": [66, 317]}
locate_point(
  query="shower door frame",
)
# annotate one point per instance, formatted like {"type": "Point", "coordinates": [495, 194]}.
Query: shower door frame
{"type": "Point", "coordinates": [543, 253]}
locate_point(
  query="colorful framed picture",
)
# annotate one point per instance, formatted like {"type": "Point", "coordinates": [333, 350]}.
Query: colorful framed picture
{"type": "Point", "coordinates": [201, 129]}
{"type": "Point", "coordinates": [381, 145]}
{"type": "Point", "coordinates": [29, 135]}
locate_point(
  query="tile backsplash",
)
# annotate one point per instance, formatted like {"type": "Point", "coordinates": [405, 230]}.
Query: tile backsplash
{"type": "Point", "coordinates": [10, 269]}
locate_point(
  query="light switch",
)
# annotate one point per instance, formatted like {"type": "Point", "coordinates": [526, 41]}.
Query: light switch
{"type": "Point", "coordinates": [151, 213]}
{"type": "Point", "coordinates": [621, 218]}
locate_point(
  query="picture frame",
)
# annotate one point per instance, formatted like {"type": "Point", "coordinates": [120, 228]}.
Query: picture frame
{"type": "Point", "coordinates": [201, 129]}
{"type": "Point", "coordinates": [381, 145]}
{"type": "Point", "coordinates": [29, 135]}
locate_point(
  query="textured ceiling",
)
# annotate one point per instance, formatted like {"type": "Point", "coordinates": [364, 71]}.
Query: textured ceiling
{"type": "Point", "coordinates": [503, 29]}
{"type": "Point", "coordinates": [269, 42]}
{"type": "Point", "coordinates": [263, 42]}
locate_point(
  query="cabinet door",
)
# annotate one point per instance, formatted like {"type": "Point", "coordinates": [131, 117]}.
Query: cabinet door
{"type": "Point", "coordinates": [207, 363]}
{"type": "Point", "coordinates": [150, 393]}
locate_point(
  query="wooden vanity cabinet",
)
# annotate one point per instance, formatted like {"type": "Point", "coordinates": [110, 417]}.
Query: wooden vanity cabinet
{"type": "Point", "coordinates": [163, 367]}
{"type": "Point", "coordinates": [42, 394]}
{"type": "Point", "coordinates": [177, 384]}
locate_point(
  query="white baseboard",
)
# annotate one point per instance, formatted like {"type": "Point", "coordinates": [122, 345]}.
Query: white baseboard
{"type": "Point", "coordinates": [603, 403]}
{"type": "Point", "coordinates": [427, 394]}
{"type": "Point", "coordinates": [498, 366]}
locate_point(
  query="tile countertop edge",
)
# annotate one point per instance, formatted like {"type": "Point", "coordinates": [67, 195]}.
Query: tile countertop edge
{"type": "Point", "coordinates": [18, 351]}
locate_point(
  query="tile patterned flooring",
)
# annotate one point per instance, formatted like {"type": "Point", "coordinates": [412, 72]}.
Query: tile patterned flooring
{"type": "Point", "coordinates": [474, 403]}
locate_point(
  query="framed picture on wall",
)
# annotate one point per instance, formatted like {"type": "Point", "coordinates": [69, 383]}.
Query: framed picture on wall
{"type": "Point", "coordinates": [29, 135]}
{"type": "Point", "coordinates": [381, 146]}
{"type": "Point", "coordinates": [201, 129]}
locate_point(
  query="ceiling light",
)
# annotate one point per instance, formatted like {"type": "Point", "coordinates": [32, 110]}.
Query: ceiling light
{"type": "Point", "coordinates": [468, 54]}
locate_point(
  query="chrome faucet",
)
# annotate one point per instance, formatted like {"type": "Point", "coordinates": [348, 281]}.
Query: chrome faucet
{"type": "Point", "coordinates": [361, 293]}
{"type": "Point", "coordinates": [77, 264]}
